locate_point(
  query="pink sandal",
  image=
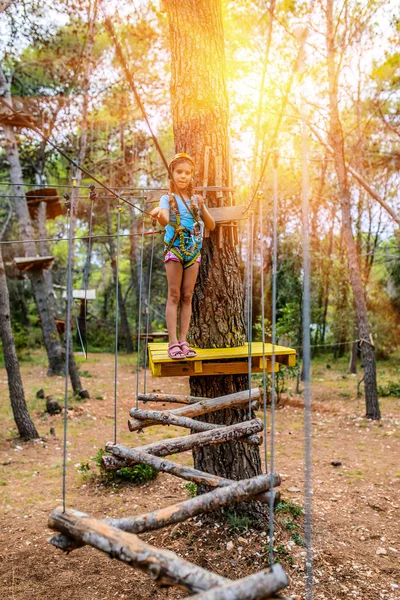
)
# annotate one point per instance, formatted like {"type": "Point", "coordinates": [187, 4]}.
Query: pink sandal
{"type": "Point", "coordinates": [187, 350]}
{"type": "Point", "coordinates": [175, 351]}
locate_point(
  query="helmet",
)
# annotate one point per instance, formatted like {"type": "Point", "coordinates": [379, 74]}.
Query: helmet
{"type": "Point", "coordinates": [181, 155]}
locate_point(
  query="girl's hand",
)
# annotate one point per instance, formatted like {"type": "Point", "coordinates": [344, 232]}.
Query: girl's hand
{"type": "Point", "coordinates": [200, 202]}
{"type": "Point", "coordinates": [155, 212]}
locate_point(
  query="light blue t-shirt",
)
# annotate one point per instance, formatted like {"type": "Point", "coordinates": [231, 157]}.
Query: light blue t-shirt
{"type": "Point", "coordinates": [186, 218]}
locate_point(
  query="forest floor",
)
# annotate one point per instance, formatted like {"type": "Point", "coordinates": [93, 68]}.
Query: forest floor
{"type": "Point", "coordinates": [356, 532]}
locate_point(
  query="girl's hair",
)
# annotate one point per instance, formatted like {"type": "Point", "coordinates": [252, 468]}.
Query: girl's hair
{"type": "Point", "coordinates": [173, 165]}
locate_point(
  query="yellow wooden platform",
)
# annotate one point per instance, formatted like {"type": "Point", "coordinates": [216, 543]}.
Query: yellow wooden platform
{"type": "Point", "coordinates": [219, 361]}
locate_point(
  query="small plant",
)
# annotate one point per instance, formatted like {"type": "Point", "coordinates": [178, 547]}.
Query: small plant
{"type": "Point", "coordinates": [289, 507]}
{"type": "Point", "coordinates": [238, 522]}
{"type": "Point", "coordinates": [289, 525]}
{"type": "Point", "coordinates": [298, 540]}
{"type": "Point", "coordinates": [192, 489]}
{"type": "Point", "coordinates": [84, 468]}
{"type": "Point", "coordinates": [85, 374]}
{"type": "Point", "coordinates": [281, 554]}
{"type": "Point", "coordinates": [135, 474]}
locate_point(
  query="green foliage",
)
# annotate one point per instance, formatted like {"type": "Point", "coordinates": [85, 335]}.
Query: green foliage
{"type": "Point", "coordinates": [192, 489]}
{"type": "Point", "coordinates": [136, 474]}
{"type": "Point", "coordinates": [390, 389]}
{"type": "Point", "coordinates": [289, 507]}
{"type": "Point", "coordinates": [298, 540]}
{"type": "Point", "coordinates": [281, 554]}
{"type": "Point", "coordinates": [238, 523]}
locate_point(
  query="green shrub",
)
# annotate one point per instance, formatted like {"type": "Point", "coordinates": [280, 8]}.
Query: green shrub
{"type": "Point", "coordinates": [136, 474]}
{"type": "Point", "coordinates": [192, 489]}
{"type": "Point", "coordinates": [391, 389]}
{"type": "Point", "coordinates": [238, 522]}
{"type": "Point", "coordinates": [289, 507]}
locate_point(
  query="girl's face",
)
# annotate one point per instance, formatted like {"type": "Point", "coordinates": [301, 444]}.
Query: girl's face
{"type": "Point", "coordinates": [182, 175]}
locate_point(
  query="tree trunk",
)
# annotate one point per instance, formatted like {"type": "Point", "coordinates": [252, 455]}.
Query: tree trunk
{"type": "Point", "coordinates": [336, 141]}
{"type": "Point", "coordinates": [26, 428]}
{"type": "Point", "coordinates": [200, 118]}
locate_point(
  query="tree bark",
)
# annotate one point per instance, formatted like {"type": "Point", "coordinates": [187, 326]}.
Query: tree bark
{"type": "Point", "coordinates": [25, 426]}
{"type": "Point", "coordinates": [200, 118]}
{"type": "Point", "coordinates": [336, 142]}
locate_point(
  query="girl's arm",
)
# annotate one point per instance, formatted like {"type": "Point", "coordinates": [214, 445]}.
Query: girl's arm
{"type": "Point", "coordinates": [161, 215]}
{"type": "Point", "coordinates": [207, 218]}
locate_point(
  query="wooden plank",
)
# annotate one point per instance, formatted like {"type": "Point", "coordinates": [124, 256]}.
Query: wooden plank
{"type": "Point", "coordinates": [159, 352]}
{"type": "Point", "coordinates": [222, 214]}
{"type": "Point", "coordinates": [31, 263]}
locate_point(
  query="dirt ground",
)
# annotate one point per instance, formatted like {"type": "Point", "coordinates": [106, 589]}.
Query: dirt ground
{"type": "Point", "coordinates": [356, 531]}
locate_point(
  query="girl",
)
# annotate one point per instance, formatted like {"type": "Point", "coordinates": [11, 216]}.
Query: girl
{"type": "Point", "coordinates": [184, 215]}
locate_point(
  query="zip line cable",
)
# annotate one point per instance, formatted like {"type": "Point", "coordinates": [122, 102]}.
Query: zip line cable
{"type": "Point", "coordinates": [83, 237]}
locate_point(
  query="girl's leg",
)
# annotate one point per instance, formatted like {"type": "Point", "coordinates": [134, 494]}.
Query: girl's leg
{"type": "Point", "coordinates": [187, 287]}
{"type": "Point", "coordinates": [174, 272]}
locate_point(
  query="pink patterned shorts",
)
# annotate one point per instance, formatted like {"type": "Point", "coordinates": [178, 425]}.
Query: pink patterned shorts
{"type": "Point", "coordinates": [171, 256]}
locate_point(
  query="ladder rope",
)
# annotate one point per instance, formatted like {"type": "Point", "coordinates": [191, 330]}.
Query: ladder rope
{"type": "Point", "coordinates": [116, 321]}
{"type": "Point", "coordinates": [139, 326]}
{"type": "Point", "coordinates": [273, 325]}
{"type": "Point", "coordinates": [148, 314]}
{"type": "Point", "coordinates": [67, 338]}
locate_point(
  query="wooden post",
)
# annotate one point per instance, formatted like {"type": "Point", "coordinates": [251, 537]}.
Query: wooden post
{"type": "Point", "coordinates": [203, 407]}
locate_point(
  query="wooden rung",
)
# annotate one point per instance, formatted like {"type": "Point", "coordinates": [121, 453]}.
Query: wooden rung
{"type": "Point", "coordinates": [258, 586]}
{"type": "Point", "coordinates": [32, 263]}
{"type": "Point", "coordinates": [237, 491]}
{"type": "Point", "coordinates": [163, 566]}
{"type": "Point", "coordinates": [178, 399]}
{"type": "Point", "coordinates": [132, 455]}
{"type": "Point", "coordinates": [221, 435]}
{"type": "Point", "coordinates": [19, 120]}
{"type": "Point", "coordinates": [204, 406]}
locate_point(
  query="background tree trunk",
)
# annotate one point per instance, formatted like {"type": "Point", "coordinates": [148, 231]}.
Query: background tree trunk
{"type": "Point", "coordinates": [25, 426]}
{"type": "Point", "coordinates": [336, 141]}
{"type": "Point", "coordinates": [200, 118]}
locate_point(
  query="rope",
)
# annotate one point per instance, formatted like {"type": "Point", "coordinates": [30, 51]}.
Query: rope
{"type": "Point", "coordinates": [84, 237]}
{"type": "Point", "coordinates": [264, 371]}
{"type": "Point", "coordinates": [250, 302]}
{"type": "Point", "coordinates": [67, 338]}
{"type": "Point", "coordinates": [148, 314]}
{"type": "Point", "coordinates": [116, 323]}
{"type": "Point", "coordinates": [307, 361]}
{"type": "Point", "coordinates": [274, 265]}
{"type": "Point", "coordinates": [139, 320]}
